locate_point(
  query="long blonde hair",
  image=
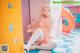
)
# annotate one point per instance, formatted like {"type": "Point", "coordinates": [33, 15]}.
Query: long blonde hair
{"type": "Point", "coordinates": [43, 7]}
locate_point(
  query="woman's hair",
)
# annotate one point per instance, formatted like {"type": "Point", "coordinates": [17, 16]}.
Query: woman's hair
{"type": "Point", "coordinates": [43, 7]}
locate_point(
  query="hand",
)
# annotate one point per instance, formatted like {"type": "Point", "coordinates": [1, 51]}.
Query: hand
{"type": "Point", "coordinates": [29, 26]}
{"type": "Point", "coordinates": [29, 30]}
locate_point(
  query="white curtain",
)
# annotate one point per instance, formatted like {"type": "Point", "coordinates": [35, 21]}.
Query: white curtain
{"type": "Point", "coordinates": [56, 18]}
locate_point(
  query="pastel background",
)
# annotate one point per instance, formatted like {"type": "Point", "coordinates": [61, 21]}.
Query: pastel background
{"type": "Point", "coordinates": [15, 15]}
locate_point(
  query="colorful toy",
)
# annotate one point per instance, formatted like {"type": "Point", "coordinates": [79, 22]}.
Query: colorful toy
{"type": "Point", "coordinates": [71, 21]}
{"type": "Point", "coordinates": [11, 32]}
{"type": "Point", "coordinates": [75, 10]}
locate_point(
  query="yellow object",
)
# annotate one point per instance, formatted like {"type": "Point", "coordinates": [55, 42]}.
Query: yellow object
{"type": "Point", "coordinates": [11, 32]}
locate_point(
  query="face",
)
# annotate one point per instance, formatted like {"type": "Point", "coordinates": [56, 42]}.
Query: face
{"type": "Point", "coordinates": [46, 11]}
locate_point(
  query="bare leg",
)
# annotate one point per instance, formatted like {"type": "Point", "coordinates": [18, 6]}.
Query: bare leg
{"type": "Point", "coordinates": [38, 34]}
{"type": "Point", "coordinates": [45, 48]}
{"type": "Point", "coordinates": [48, 46]}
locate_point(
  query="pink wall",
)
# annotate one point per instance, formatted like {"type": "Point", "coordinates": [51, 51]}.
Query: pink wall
{"type": "Point", "coordinates": [26, 18]}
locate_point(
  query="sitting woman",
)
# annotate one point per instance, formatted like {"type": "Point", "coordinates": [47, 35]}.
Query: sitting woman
{"type": "Point", "coordinates": [41, 32]}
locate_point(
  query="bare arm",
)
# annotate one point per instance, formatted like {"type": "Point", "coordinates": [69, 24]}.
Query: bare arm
{"type": "Point", "coordinates": [32, 27]}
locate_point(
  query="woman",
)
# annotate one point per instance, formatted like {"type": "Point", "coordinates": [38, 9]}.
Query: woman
{"type": "Point", "coordinates": [41, 32]}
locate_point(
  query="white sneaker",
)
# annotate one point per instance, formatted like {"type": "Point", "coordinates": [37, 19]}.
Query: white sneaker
{"type": "Point", "coordinates": [26, 47]}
